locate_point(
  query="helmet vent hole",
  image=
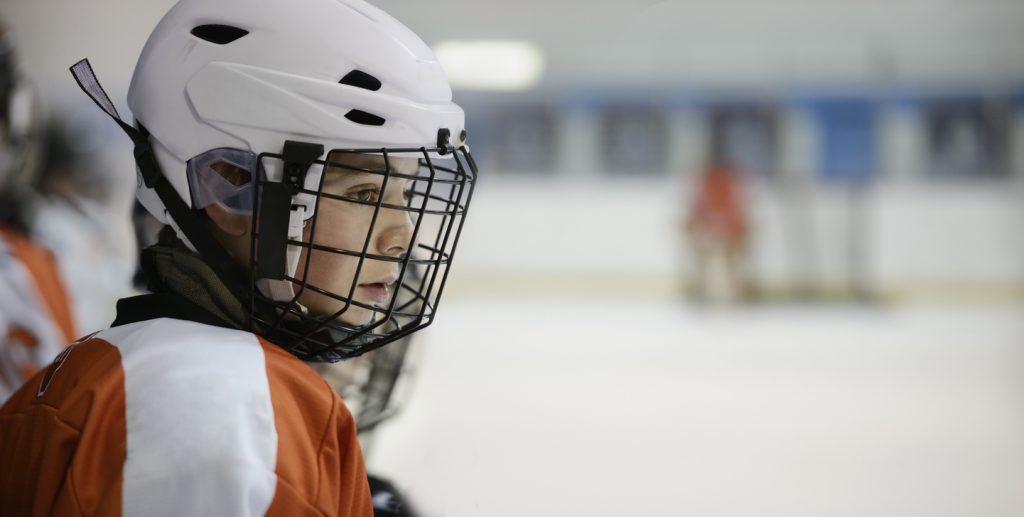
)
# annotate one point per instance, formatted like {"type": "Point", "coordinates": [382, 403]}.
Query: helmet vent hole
{"type": "Point", "coordinates": [361, 79]}
{"type": "Point", "coordinates": [219, 34]}
{"type": "Point", "coordinates": [362, 117]}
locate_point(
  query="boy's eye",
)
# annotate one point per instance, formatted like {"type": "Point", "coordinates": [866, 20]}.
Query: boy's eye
{"type": "Point", "coordinates": [366, 195]}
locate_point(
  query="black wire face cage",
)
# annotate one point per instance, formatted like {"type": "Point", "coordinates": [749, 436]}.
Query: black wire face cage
{"type": "Point", "coordinates": [367, 296]}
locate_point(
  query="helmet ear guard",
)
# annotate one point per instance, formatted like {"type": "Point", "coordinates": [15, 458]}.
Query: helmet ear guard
{"type": "Point", "coordinates": [224, 176]}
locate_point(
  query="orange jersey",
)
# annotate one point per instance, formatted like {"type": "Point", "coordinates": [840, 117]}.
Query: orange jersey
{"type": "Point", "coordinates": [172, 417]}
{"type": "Point", "coordinates": [35, 315]}
{"type": "Point", "coordinates": [718, 207]}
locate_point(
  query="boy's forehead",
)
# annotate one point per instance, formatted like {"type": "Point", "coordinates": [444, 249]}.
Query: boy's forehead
{"type": "Point", "coordinates": [375, 162]}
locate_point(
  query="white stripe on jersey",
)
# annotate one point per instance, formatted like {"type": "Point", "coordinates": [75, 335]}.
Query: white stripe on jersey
{"type": "Point", "coordinates": [200, 425]}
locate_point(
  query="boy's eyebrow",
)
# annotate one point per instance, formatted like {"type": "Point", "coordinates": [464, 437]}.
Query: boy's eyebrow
{"type": "Point", "coordinates": [356, 170]}
{"type": "Point", "coordinates": [370, 164]}
{"type": "Point", "coordinates": [355, 176]}
{"type": "Point", "coordinates": [353, 170]}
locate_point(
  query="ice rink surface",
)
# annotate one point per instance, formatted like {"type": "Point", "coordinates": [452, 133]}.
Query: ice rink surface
{"type": "Point", "coordinates": [603, 408]}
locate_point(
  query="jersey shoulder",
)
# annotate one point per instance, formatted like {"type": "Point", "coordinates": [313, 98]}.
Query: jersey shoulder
{"type": "Point", "coordinates": [30, 272]}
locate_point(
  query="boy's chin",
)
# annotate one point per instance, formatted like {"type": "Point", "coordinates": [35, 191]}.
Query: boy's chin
{"type": "Point", "coordinates": [356, 317]}
{"type": "Point", "coordinates": [353, 316]}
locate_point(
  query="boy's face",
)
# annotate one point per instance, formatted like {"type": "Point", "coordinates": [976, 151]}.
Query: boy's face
{"type": "Point", "coordinates": [345, 224]}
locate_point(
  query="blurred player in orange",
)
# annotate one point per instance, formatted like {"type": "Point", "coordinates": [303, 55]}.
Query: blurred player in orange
{"type": "Point", "coordinates": [35, 314]}
{"type": "Point", "coordinates": [718, 229]}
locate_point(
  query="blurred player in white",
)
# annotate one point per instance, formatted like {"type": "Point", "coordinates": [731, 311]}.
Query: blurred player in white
{"type": "Point", "coordinates": [36, 322]}
{"type": "Point", "coordinates": [312, 171]}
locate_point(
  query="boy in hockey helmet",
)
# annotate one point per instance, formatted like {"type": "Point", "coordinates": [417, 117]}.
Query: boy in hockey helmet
{"type": "Point", "coordinates": [312, 170]}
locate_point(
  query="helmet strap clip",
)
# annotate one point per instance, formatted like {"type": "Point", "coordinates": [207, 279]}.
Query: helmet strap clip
{"type": "Point", "coordinates": [298, 158]}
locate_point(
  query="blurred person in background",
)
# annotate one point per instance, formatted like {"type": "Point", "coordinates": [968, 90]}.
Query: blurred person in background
{"type": "Point", "coordinates": [36, 320]}
{"type": "Point", "coordinates": [82, 215]}
{"type": "Point", "coordinates": [717, 228]}
{"type": "Point", "coordinates": [311, 169]}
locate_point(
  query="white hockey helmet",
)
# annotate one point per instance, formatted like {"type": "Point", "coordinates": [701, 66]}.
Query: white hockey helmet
{"type": "Point", "coordinates": [267, 86]}
{"type": "Point", "coordinates": [250, 74]}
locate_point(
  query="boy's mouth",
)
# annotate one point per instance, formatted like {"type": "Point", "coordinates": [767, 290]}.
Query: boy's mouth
{"type": "Point", "coordinates": [378, 292]}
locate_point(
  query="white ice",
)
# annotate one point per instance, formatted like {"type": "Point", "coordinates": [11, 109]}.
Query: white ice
{"type": "Point", "coordinates": [603, 408]}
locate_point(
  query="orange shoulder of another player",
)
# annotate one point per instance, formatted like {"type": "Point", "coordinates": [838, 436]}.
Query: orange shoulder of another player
{"type": "Point", "coordinates": [42, 266]}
